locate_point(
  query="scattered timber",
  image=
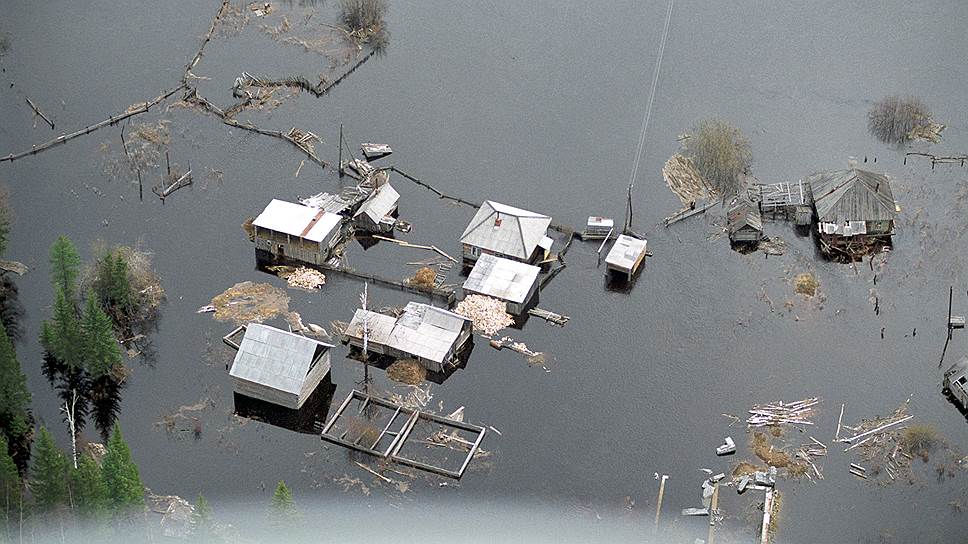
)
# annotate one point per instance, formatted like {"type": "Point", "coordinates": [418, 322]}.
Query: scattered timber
{"type": "Point", "coordinates": [550, 317]}
{"type": "Point", "coordinates": [132, 111]}
{"type": "Point", "coordinates": [688, 212]}
{"type": "Point", "coordinates": [405, 243]}
{"type": "Point", "coordinates": [795, 413]}
{"type": "Point", "coordinates": [878, 429]}
{"type": "Point", "coordinates": [207, 38]}
{"type": "Point", "coordinates": [38, 112]}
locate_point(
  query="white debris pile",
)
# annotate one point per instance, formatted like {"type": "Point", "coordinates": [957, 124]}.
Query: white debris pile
{"type": "Point", "coordinates": [488, 314]}
{"type": "Point", "coordinates": [306, 278]}
{"type": "Point", "coordinates": [775, 413]}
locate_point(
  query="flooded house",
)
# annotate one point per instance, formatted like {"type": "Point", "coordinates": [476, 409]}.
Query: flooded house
{"type": "Point", "coordinates": [854, 208]}
{"type": "Point", "coordinates": [744, 222]}
{"type": "Point", "coordinates": [514, 282]}
{"type": "Point", "coordinates": [955, 383]}
{"type": "Point", "coordinates": [289, 231]}
{"type": "Point", "coordinates": [379, 211]}
{"type": "Point", "coordinates": [625, 257]}
{"type": "Point", "coordinates": [433, 336]}
{"type": "Point", "coordinates": [277, 366]}
{"type": "Point", "coordinates": [508, 232]}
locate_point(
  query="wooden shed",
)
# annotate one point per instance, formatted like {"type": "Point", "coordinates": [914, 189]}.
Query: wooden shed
{"type": "Point", "coordinates": [277, 366]}
{"type": "Point", "coordinates": [625, 256]}
{"type": "Point", "coordinates": [744, 222]}
{"type": "Point", "coordinates": [514, 282]}
{"type": "Point", "coordinates": [506, 231]}
{"type": "Point", "coordinates": [289, 231]}
{"type": "Point", "coordinates": [378, 212]}
{"type": "Point", "coordinates": [431, 335]}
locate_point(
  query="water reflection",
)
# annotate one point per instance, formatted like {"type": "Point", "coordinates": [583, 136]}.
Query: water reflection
{"type": "Point", "coordinates": [307, 420]}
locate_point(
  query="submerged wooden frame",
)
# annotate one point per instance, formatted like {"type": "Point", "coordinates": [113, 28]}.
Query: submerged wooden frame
{"type": "Point", "coordinates": [400, 436]}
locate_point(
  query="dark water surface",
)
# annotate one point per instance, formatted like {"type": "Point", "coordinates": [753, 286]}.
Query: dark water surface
{"type": "Point", "coordinates": [536, 104]}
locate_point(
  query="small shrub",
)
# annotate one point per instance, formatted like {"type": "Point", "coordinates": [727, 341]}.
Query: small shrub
{"type": "Point", "coordinates": [424, 277]}
{"type": "Point", "coordinates": [892, 119]}
{"type": "Point", "coordinates": [920, 439]}
{"type": "Point", "coordinates": [363, 14]}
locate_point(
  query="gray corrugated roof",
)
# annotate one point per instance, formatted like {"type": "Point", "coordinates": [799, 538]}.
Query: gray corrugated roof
{"type": "Point", "coordinates": [502, 278]}
{"type": "Point", "coordinates": [380, 203]}
{"type": "Point", "coordinates": [625, 251]}
{"type": "Point", "coordinates": [852, 195]}
{"type": "Point", "coordinates": [422, 330]}
{"type": "Point", "coordinates": [517, 234]}
{"type": "Point", "coordinates": [743, 213]}
{"type": "Point", "coordinates": [274, 358]}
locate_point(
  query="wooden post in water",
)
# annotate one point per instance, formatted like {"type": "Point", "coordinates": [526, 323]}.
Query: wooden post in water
{"type": "Point", "coordinates": [339, 165]}
{"type": "Point", "coordinates": [658, 503]}
{"type": "Point", "coordinates": [711, 538]}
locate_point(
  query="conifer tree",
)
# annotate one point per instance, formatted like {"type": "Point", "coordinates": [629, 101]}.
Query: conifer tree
{"type": "Point", "coordinates": [4, 224]}
{"type": "Point", "coordinates": [99, 347]}
{"type": "Point", "coordinates": [65, 265]}
{"type": "Point", "coordinates": [61, 335]}
{"type": "Point", "coordinates": [14, 396]}
{"type": "Point", "coordinates": [202, 517]}
{"type": "Point", "coordinates": [9, 483]}
{"type": "Point", "coordinates": [48, 475]}
{"type": "Point", "coordinates": [125, 491]}
{"type": "Point", "coordinates": [90, 489]}
{"type": "Point", "coordinates": [120, 286]}
{"type": "Point", "coordinates": [283, 507]}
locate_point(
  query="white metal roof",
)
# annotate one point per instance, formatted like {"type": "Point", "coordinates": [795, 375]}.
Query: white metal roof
{"type": "Point", "coordinates": [625, 252]}
{"type": "Point", "coordinates": [505, 229]}
{"type": "Point", "coordinates": [502, 278]}
{"type": "Point", "coordinates": [380, 203]}
{"type": "Point", "coordinates": [601, 222]}
{"type": "Point", "coordinates": [274, 358]}
{"type": "Point", "coordinates": [297, 220]}
{"type": "Point", "coordinates": [422, 330]}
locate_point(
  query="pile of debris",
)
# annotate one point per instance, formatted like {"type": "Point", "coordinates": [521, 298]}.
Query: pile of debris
{"type": "Point", "coordinates": [248, 302]}
{"type": "Point", "coordinates": [408, 371]}
{"type": "Point", "coordinates": [684, 180]}
{"type": "Point", "coordinates": [794, 413]}
{"type": "Point", "coordinates": [306, 278]}
{"type": "Point", "coordinates": [880, 443]}
{"type": "Point", "coordinates": [488, 314]}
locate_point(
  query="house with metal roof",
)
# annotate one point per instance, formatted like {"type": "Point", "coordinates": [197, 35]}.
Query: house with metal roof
{"type": "Point", "coordinates": [514, 282]}
{"type": "Point", "coordinates": [852, 203]}
{"type": "Point", "coordinates": [277, 366]}
{"type": "Point", "coordinates": [290, 231]}
{"type": "Point", "coordinates": [508, 232]}
{"type": "Point", "coordinates": [431, 335]}
{"type": "Point", "coordinates": [378, 212]}
{"type": "Point", "coordinates": [625, 256]}
{"type": "Point", "coordinates": [744, 222]}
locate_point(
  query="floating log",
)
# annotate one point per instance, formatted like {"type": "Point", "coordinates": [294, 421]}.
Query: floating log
{"type": "Point", "coordinates": [405, 243]}
{"type": "Point", "coordinates": [184, 181]}
{"type": "Point", "coordinates": [40, 113]}
{"type": "Point", "coordinates": [688, 212]}
{"type": "Point", "coordinates": [878, 429]}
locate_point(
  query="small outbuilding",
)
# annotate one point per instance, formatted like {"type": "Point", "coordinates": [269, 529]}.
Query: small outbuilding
{"type": "Point", "coordinates": [625, 256]}
{"type": "Point", "coordinates": [431, 335]}
{"type": "Point", "coordinates": [378, 212]}
{"type": "Point", "coordinates": [744, 222]}
{"type": "Point", "coordinates": [853, 206]}
{"type": "Point", "coordinates": [277, 366]}
{"type": "Point", "coordinates": [289, 231]}
{"type": "Point", "coordinates": [506, 231]}
{"type": "Point", "coordinates": [955, 382]}
{"type": "Point", "coordinates": [514, 282]}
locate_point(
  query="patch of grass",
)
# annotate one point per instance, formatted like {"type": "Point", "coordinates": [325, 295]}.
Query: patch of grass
{"type": "Point", "coordinates": [920, 439]}
{"type": "Point", "coordinates": [408, 371]}
{"type": "Point", "coordinates": [806, 284]}
{"type": "Point", "coordinates": [744, 467]}
{"type": "Point", "coordinates": [762, 448]}
{"type": "Point", "coordinates": [363, 14]}
{"type": "Point", "coordinates": [424, 277]}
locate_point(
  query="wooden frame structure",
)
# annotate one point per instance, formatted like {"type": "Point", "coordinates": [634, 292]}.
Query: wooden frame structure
{"type": "Point", "coordinates": [399, 432]}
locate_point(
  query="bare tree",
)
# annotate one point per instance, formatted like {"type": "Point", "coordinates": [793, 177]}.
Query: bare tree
{"type": "Point", "coordinates": [720, 153]}
{"type": "Point", "coordinates": [892, 119]}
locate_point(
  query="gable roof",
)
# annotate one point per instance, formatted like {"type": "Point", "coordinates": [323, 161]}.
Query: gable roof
{"type": "Point", "coordinates": [502, 278]}
{"type": "Point", "coordinates": [275, 358]}
{"type": "Point", "coordinates": [743, 213]}
{"type": "Point", "coordinates": [312, 224]}
{"type": "Point", "coordinates": [625, 252]}
{"type": "Point", "coordinates": [380, 203]}
{"type": "Point", "coordinates": [505, 229]}
{"type": "Point", "coordinates": [852, 195]}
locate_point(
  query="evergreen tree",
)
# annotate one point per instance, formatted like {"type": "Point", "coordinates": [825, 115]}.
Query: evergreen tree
{"type": "Point", "coordinates": [9, 483]}
{"type": "Point", "coordinates": [98, 347]}
{"type": "Point", "coordinates": [120, 286]}
{"type": "Point", "coordinates": [4, 224]}
{"type": "Point", "coordinates": [48, 476]}
{"type": "Point", "coordinates": [202, 517]}
{"type": "Point", "coordinates": [90, 489]}
{"type": "Point", "coordinates": [14, 396]}
{"type": "Point", "coordinates": [61, 335]}
{"type": "Point", "coordinates": [283, 508]}
{"type": "Point", "coordinates": [65, 265]}
{"type": "Point", "coordinates": [125, 491]}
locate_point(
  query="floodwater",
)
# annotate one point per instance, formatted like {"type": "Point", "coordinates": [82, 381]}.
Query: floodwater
{"type": "Point", "coordinates": [536, 104]}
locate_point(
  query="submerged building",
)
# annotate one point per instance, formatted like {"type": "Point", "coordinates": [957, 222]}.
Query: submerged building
{"type": "Point", "coordinates": [433, 336]}
{"type": "Point", "coordinates": [852, 207]}
{"type": "Point", "coordinates": [289, 231]}
{"type": "Point", "coordinates": [277, 366]}
{"type": "Point", "coordinates": [506, 231]}
{"type": "Point", "coordinates": [514, 282]}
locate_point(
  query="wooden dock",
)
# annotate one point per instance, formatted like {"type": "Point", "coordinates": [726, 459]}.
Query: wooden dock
{"type": "Point", "coordinates": [688, 212]}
